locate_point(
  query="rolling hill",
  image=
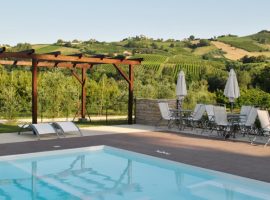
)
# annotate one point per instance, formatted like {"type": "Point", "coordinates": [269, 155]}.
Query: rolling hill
{"type": "Point", "coordinates": [192, 56]}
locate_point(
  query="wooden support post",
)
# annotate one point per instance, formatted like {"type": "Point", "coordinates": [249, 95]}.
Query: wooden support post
{"type": "Point", "coordinates": [130, 94]}
{"type": "Point", "coordinates": [83, 96]}
{"type": "Point", "coordinates": [34, 91]}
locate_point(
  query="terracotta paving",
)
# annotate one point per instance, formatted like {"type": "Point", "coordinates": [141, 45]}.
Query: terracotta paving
{"type": "Point", "coordinates": [237, 158]}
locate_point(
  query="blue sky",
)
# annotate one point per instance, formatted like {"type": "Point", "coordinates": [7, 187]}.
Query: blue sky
{"type": "Point", "coordinates": [45, 21]}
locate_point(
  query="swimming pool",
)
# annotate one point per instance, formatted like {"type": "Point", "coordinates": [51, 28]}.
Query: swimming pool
{"type": "Point", "coordinates": [106, 173]}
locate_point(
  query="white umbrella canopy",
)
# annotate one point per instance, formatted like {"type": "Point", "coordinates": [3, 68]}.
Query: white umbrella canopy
{"type": "Point", "coordinates": [181, 87]}
{"type": "Point", "coordinates": [232, 89]}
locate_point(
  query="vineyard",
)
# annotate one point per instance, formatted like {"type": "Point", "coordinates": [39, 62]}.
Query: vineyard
{"type": "Point", "coordinates": [194, 65]}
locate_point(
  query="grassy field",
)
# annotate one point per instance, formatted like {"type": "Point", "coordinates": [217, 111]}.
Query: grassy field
{"type": "Point", "coordinates": [245, 43]}
{"type": "Point", "coordinates": [9, 128]}
{"type": "Point", "coordinates": [204, 50]}
{"type": "Point", "coordinates": [233, 53]}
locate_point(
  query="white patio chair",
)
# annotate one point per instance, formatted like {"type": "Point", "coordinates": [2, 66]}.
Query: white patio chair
{"type": "Point", "coordinates": [248, 127]}
{"type": "Point", "coordinates": [66, 127]}
{"type": "Point", "coordinates": [208, 123]}
{"type": "Point", "coordinates": [221, 123]}
{"type": "Point", "coordinates": [196, 116]}
{"type": "Point", "coordinates": [244, 112]}
{"type": "Point", "coordinates": [166, 114]}
{"type": "Point", "coordinates": [40, 129]}
{"type": "Point", "coordinates": [264, 119]}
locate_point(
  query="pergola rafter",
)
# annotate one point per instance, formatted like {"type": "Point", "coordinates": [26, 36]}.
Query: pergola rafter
{"type": "Point", "coordinates": [72, 62]}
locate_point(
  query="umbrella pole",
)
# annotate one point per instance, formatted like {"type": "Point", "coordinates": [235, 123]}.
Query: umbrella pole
{"type": "Point", "coordinates": [231, 107]}
{"type": "Point", "coordinates": [177, 103]}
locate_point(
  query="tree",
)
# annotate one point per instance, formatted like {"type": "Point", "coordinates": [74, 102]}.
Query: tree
{"type": "Point", "coordinates": [172, 45]}
{"type": "Point", "coordinates": [154, 45]}
{"type": "Point", "coordinates": [21, 47]}
{"type": "Point", "coordinates": [191, 38]}
{"type": "Point", "coordinates": [263, 79]}
{"type": "Point", "coordinates": [203, 43]}
{"type": "Point", "coordinates": [60, 41]}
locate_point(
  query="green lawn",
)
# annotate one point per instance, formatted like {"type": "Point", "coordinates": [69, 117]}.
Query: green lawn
{"type": "Point", "coordinates": [13, 127]}
{"type": "Point", "coordinates": [102, 123]}
{"type": "Point", "coordinates": [9, 128]}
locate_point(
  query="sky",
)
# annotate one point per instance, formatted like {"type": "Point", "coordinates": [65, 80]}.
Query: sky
{"type": "Point", "coordinates": [46, 21]}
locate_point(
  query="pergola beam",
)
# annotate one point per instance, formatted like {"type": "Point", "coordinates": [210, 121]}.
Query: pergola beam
{"type": "Point", "coordinates": [122, 73]}
{"type": "Point", "coordinates": [55, 53]}
{"type": "Point", "coordinates": [76, 76]}
{"type": "Point", "coordinates": [62, 58]}
{"type": "Point", "coordinates": [44, 64]}
{"type": "Point", "coordinates": [28, 52]}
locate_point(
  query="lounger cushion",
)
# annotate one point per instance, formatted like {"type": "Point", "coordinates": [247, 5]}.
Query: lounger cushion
{"type": "Point", "coordinates": [43, 128]}
{"type": "Point", "coordinates": [67, 126]}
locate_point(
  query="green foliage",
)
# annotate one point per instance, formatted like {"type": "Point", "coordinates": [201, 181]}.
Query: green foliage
{"type": "Point", "coordinates": [246, 43]}
{"type": "Point", "coordinates": [263, 79]}
{"type": "Point", "coordinates": [254, 97]}
{"type": "Point", "coordinates": [262, 37]}
{"type": "Point", "coordinates": [253, 59]}
{"type": "Point", "coordinates": [201, 43]}
{"type": "Point", "coordinates": [20, 47]}
{"type": "Point", "coordinates": [198, 93]}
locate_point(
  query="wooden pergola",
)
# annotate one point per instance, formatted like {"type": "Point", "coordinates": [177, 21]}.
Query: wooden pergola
{"type": "Point", "coordinates": [71, 62]}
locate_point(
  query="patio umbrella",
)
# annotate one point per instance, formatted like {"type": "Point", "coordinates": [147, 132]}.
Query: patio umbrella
{"type": "Point", "coordinates": [232, 89]}
{"type": "Point", "coordinates": [181, 88]}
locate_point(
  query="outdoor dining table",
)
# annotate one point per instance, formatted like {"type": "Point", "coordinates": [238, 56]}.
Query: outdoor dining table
{"type": "Point", "coordinates": [235, 120]}
{"type": "Point", "coordinates": [178, 114]}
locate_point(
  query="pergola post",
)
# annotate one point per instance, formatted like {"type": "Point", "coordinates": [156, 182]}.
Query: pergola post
{"type": "Point", "coordinates": [130, 94]}
{"type": "Point", "coordinates": [34, 91]}
{"type": "Point", "coordinates": [83, 95]}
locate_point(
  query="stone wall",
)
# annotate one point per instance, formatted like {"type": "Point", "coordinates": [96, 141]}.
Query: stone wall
{"type": "Point", "coordinates": [147, 110]}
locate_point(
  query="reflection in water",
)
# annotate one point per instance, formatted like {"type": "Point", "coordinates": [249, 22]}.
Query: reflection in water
{"type": "Point", "coordinates": [119, 186]}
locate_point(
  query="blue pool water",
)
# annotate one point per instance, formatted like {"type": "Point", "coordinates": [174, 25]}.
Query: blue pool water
{"type": "Point", "coordinates": [105, 173]}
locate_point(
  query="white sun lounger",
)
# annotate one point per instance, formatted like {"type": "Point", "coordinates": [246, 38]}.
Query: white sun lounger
{"type": "Point", "coordinates": [66, 127]}
{"type": "Point", "coordinates": [40, 129]}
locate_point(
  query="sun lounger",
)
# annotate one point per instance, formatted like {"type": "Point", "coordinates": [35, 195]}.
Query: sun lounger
{"type": "Point", "coordinates": [40, 129]}
{"type": "Point", "coordinates": [67, 127]}
{"type": "Point", "coordinates": [264, 119]}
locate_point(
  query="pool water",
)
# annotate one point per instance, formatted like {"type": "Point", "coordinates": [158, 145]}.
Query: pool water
{"type": "Point", "coordinates": [106, 173]}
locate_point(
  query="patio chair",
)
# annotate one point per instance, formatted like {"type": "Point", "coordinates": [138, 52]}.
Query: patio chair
{"type": "Point", "coordinates": [221, 124]}
{"type": "Point", "coordinates": [166, 114]}
{"type": "Point", "coordinates": [196, 116]}
{"type": "Point", "coordinates": [65, 127]}
{"type": "Point", "coordinates": [244, 112]}
{"type": "Point", "coordinates": [248, 127]}
{"type": "Point", "coordinates": [264, 119]}
{"type": "Point", "coordinates": [40, 129]}
{"type": "Point", "coordinates": [208, 123]}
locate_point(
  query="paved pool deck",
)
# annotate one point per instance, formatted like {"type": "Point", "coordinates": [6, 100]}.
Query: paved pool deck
{"type": "Point", "coordinates": [230, 156]}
